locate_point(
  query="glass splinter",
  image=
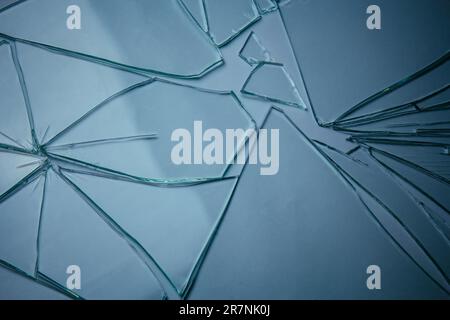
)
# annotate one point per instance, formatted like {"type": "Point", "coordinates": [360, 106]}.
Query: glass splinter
{"type": "Point", "coordinates": [227, 19]}
{"type": "Point", "coordinates": [253, 52]}
{"type": "Point", "coordinates": [270, 81]}
{"type": "Point", "coordinates": [161, 48]}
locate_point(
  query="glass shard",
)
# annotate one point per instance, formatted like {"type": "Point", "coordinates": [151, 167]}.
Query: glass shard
{"type": "Point", "coordinates": [308, 227]}
{"type": "Point", "coordinates": [15, 166]}
{"type": "Point", "coordinates": [227, 19]}
{"type": "Point", "coordinates": [14, 126]}
{"type": "Point", "coordinates": [158, 107]}
{"type": "Point", "coordinates": [270, 81]}
{"type": "Point", "coordinates": [162, 48]}
{"type": "Point", "coordinates": [111, 269]}
{"type": "Point", "coordinates": [253, 52]}
{"type": "Point", "coordinates": [266, 6]}
{"type": "Point", "coordinates": [353, 62]}
{"type": "Point", "coordinates": [72, 87]}
{"type": "Point", "coordinates": [197, 10]}
{"type": "Point", "coordinates": [19, 221]}
{"type": "Point", "coordinates": [174, 233]}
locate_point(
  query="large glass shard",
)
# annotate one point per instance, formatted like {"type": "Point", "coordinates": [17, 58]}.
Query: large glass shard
{"type": "Point", "coordinates": [266, 6]}
{"type": "Point", "coordinates": [253, 52]}
{"type": "Point", "coordinates": [110, 267]}
{"type": "Point", "coordinates": [433, 188]}
{"type": "Point", "coordinates": [17, 287]}
{"type": "Point", "coordinates": [72, 87]}
{"type": "Point", "coordinates": [19, 221]}
{"type": "Point", "coordinates": [14, 125]}
{"type": "Point", "coordinates": [174, 225]}
{"type": "Point", "coordinates": [15, 166]}
{"type": "Point", "coordinates": [284, 241]}
{"type": "Point", "coordinates": [270, 81]}
{"type": "Point", "coordinates": [335, 50]}
{"type": "Point", "coordinates": [162, 108]}
{"type": "Point", "coordinates": [197, 10]}
{"type": "Point", "coordinates": [404, 210]}
{"type": "Point", "coordinates": [227, 19]}
{"type": "Point", "coordinates": [163, 47]}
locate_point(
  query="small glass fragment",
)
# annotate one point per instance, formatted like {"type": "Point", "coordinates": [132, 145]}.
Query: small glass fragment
{"type": "Point", "coordinates": [253, 52]}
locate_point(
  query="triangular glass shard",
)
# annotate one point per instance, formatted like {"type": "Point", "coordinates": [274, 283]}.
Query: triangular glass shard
{"type": "Point", "coordinates": [357, 64]}
{"type": "Point", "coordinates": [266, 6]}
{"type": "Point", "coordinates": [19, 224]}
{"type": "Point", "coordinates": [72, 87]}
{"type": "Point", "coordinates": [367, 175]}
{"type": "Point", "coordinates": [161, 48]}
{"type": "Point", "coordinates": [253, 52]}
{"type": "Point", "coordinates": [15, 166]}
{"type": "Point", "coordinates": [162, 108]}
{"type": "Point", "coordinates": [74, 234]}
{"type": "Point", "coordinates": [174, 225]}
{"type": "Point", "coordinates": [434, 188]}
{"type": "Point", "coordinates": [14, 125]}
{"type": "Point", "coordinates": [270, 81]}
{"type": "Point", "coordinates": [227, 19]}
{"type": "Point", "coordinates": [317, 217]}
{"type": "Point", "coordinates": [197, 10]}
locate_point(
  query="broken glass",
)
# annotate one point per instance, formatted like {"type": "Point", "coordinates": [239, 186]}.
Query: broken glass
{"type": "Point", "coordinates": [227, 19]}
{"type": "Point", "coordinates": [270, 81]}
{"type": "Point", "coordinates": [399, 212]}
{"type": "Point", "coordinates": [140, 123]}
{"type": "Point", "coordinates": [335, 50]}
{"type": "Point", "coordinates": [253, 52]}
{"type": "Point", "coordinates": [202, 207]}
{"type": "Point", "coordinates": [162, 48]}
{"type": "Point", "coordinates": [264, 240]}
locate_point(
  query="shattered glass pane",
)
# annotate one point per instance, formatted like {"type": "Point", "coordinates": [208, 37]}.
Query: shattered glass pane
{"type": "Point", "coordinates": [253, 52]}
{"type": "Point", "coordinates": [270, 81]}
{"type": "Point", "coordinates": [163, 47]}
{"type": "Point", "coordinates": [227, 19]}
{"type": "Point", "coordinates": [90, 124]}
